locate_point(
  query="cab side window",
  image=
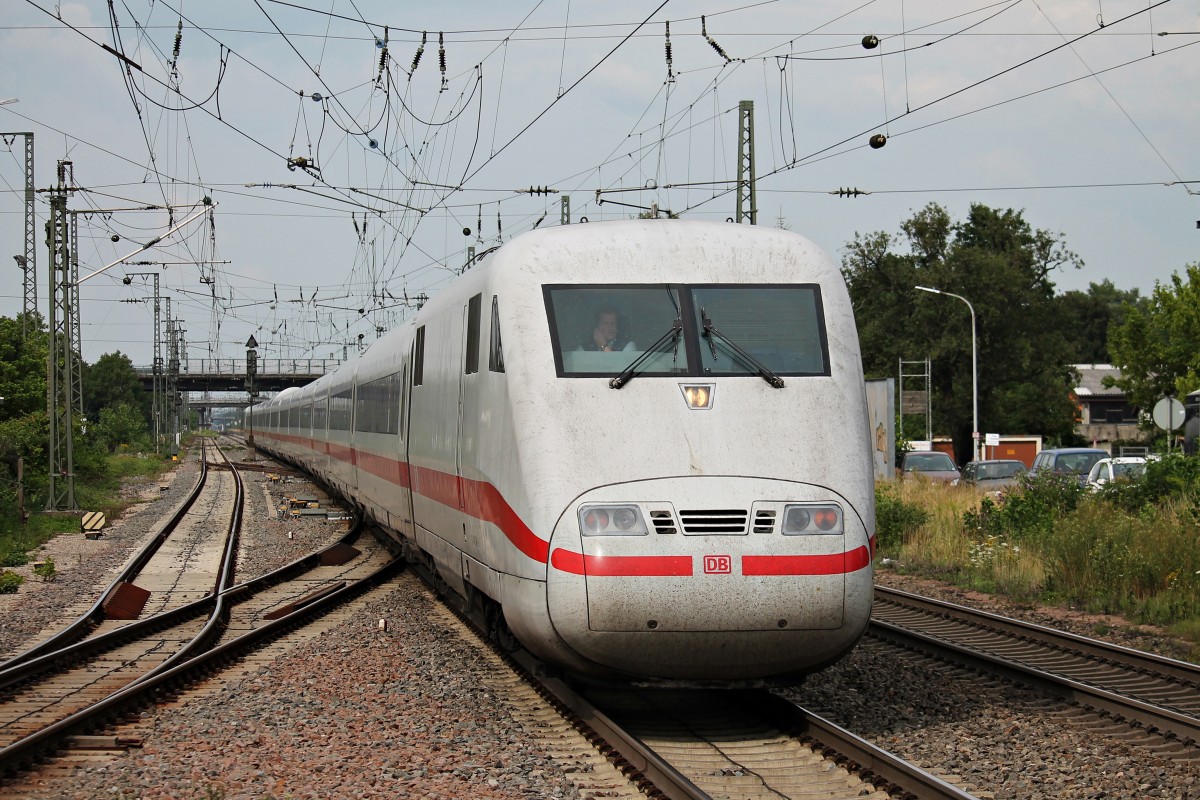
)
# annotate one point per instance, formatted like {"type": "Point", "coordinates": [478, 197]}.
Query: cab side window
{"type": "Point", "coordinates": [495, 350]}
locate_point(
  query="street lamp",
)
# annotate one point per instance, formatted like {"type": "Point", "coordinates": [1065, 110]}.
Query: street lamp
{"type": "Point", "coordinates": [974, 373]}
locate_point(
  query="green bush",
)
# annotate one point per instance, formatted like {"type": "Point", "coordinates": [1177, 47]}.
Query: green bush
{"type": "Point", "coordinates": [10, 581]}
{"type": "Point", "coordinates": [895, 519]}
{"type": "Point", "coordinates": [1029, 511]}
{"type": "Point", "coordinates": [46, 570]}
{"type": "Point", "coordinates": [1174, 477]}
{"type": "Point", "coordinates": [12, 556]}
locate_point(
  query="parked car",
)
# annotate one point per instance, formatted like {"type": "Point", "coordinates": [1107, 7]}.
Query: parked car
{"type": "Point", "coordinates": [992, 474]}
{"type": "Point", "coordinates": [932, 464]}
{"type": "Point", "coordinates": [1107, 470]}
{"type": "Point", "coordinates": [1077, 461]}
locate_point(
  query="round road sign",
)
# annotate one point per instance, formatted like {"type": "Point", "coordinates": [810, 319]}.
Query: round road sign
{"type": "Point", "coordinates": [1168, 413]}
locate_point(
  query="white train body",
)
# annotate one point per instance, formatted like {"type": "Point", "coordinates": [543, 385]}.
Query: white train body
{"type": "Point", "coordinates": [622, 530]}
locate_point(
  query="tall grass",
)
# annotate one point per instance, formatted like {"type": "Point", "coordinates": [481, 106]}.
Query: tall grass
{"type": "Point", "coordinates": [1134, 552]}
{"type": "Point", "coordinates": [96, 493]}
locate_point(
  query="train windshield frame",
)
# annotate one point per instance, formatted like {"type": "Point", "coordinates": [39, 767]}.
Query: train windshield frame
{"type": "Point", "coordinates": [598, 330]}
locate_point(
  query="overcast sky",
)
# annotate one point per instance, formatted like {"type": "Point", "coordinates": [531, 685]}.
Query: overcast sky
{"type": "Point", "coordinates": [330, 212]}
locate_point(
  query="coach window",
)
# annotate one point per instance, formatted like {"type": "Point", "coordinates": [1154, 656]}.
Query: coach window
{"type": "Point", "coordinates": [339, 410]}
{"type": "Point", "coordinates": [495, 351]}
{"type": "Point", "coordinates": [319, 413]}
{"type": "Point", "coordinates": [419, 357]}
{"type": "Point", "coordinates": [474, 309]}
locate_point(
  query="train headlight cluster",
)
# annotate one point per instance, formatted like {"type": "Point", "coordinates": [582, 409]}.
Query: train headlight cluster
{"type": "Point", "coordinates": [611, 520]}
{"type": "Point", "coordinates": [801, 520]}
{"type": "Point", "coordinates": [699, 396]}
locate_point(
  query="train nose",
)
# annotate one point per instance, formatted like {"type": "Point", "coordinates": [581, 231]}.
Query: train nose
{"type": "Point", "coordinates": [684, 582]}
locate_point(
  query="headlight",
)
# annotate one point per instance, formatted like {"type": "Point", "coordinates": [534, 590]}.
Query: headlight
{"type": "Point", "coordinates": [616, 520]}
{"type": "Point", "coordinates": [812, 519]}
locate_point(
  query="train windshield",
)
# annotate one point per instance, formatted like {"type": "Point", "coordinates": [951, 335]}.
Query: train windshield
{"type": "Point", "coordinates": [601, 330]}
{"type": "Point", "coordinates": [727, 329]}
{"type": "Point", "coordinates": [777, 327]}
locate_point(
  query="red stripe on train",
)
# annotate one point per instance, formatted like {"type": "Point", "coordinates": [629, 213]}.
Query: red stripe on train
{"type": "Point", "coordinates": [832, 564]}
{"type": "Point", "coordinates": [621, 566]}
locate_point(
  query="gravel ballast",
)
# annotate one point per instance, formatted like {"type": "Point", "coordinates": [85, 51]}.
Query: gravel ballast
{"type": "Point", "coordinates": [406, 711]}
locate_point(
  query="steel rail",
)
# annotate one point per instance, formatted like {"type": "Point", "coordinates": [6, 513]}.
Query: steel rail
{"type": "Point", "coordinates": [24, 753]}
{"type": "Point", "coordinates": [873, 761]}
{"type": "Point", "coordinates": [1156, 719]}
{"type": "Point", "coordinates": [237, 594]}
{"type": "Point", "coordinates": [1135, 659]}
{"type": "Point", "coordinates": [90, 619]}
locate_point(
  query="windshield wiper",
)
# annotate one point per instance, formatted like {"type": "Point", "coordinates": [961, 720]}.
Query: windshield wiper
{"type": "Point", "coordinates": [712, 333]}
{"type": "Point", "coordinates": [626, 375]}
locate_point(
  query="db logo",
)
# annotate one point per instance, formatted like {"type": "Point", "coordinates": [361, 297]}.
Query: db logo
{"type": "Point", "coordinates": [718, 565]}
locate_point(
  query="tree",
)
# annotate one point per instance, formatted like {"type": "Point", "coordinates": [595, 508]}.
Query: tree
{"type": "Point", "coordinates": [1157, 347]}
{"type": "Point", "coordinates": [121, 424]}
{"type": "Point", "coordinates": [1003, 267]}
{"type": "Point", "coordinates": [22, 368]}
{"type": "Point", "coordinates": [1086, 318]}
{"type": "Point", "coordinates": [112, 380]}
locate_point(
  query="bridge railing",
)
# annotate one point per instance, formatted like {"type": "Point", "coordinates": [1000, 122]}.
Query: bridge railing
{"type": "Point", "coordinates": [237, 366]}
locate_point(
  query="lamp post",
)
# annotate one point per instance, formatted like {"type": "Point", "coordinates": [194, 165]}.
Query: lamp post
{"type": "Point", "coordinates": [974, 372]}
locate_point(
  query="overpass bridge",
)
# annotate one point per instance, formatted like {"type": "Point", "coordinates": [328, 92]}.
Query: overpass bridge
{"type": "Point", "coordinates": [229, 374]}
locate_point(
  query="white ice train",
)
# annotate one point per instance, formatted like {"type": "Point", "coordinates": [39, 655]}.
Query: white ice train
{"type": "Point", "coordinates": [684, 495]}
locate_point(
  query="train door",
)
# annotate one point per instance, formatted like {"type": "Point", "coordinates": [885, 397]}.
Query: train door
{"type": "Point", "coordinates": [404, 454]}
{"type": "Point", "coordinates": [466, 448]}
{"type": "Point", "coordinates": [468, 395]}
{"type": "Point", "coordinates": [462, 391]}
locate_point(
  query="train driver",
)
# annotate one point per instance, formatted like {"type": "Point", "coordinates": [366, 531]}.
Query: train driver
{"type": "Point", "coordinates": [606, 336]}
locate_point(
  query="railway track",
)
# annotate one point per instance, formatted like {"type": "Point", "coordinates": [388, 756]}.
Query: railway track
{"type": "Point", "coordinates": [100, 670]}
{"type": "Point", "coordinates": [1156, 696]}
{"type": "Point", "coordinates": [700, 744]}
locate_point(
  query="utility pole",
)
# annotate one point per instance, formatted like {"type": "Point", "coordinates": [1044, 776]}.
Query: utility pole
{"type": "Point", "coordinates": [747, 205]}
{"type": "Point", "coordinates": [173, 382]}
{"type": "Point", "coordinates": [27, 261]}
{"type": "Point", "coordinates": [181, 360]}
{"type": "Point", "coordinates": [156, 370]}
{"type": "Point", "coordinates": [76, 335]}
{"type": "Point", "coordinates": [565, 205]}
{"type": "Point", "coordinates": [61, 365]}
{"type": "Point", "coordinates": [164, 404]}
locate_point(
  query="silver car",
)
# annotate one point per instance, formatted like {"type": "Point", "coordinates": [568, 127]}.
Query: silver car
{"type": "Point", "coordinates": [932, 464]}
{"type": "Point", "coordinates": [1108, 470]}
{"type": "Point", "coordinates": [993, 474]}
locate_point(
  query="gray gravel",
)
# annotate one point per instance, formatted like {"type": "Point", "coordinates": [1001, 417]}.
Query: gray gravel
{"type": "Point", "coordinates": [998, 741]}
{"type": "Point", "coordinates": [84, 567]}
{"type": "Point", "coordinates": [406, 712]}
{"type": "Point", "coordinates": [359, 713]}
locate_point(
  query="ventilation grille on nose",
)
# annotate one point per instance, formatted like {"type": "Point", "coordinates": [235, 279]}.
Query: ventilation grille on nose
{"type": "Point", "coordinates": [663, 522]}
{"type": "Point", "coordinates": [764, 520]}
{"type": "Point", "coordinates": [715, 521]}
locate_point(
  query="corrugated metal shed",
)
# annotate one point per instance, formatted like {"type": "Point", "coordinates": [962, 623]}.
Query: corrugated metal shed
{"type": "Point", "coordinates": [1091, 381]}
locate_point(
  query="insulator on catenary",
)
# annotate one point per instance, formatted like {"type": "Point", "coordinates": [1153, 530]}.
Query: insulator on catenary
{"type": "Point", "coordinates": [417, 57]}
{"type": "Point", "coordinates": [442, 59]}
{"type": "Point", "coordinates": [670, 69]}
{"type": "Point", "coordinates": [711, 41]}
{"type": "Point", "coordinates": [383, 56]}
{"type": "Point", "coordinates": [178, 42]}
